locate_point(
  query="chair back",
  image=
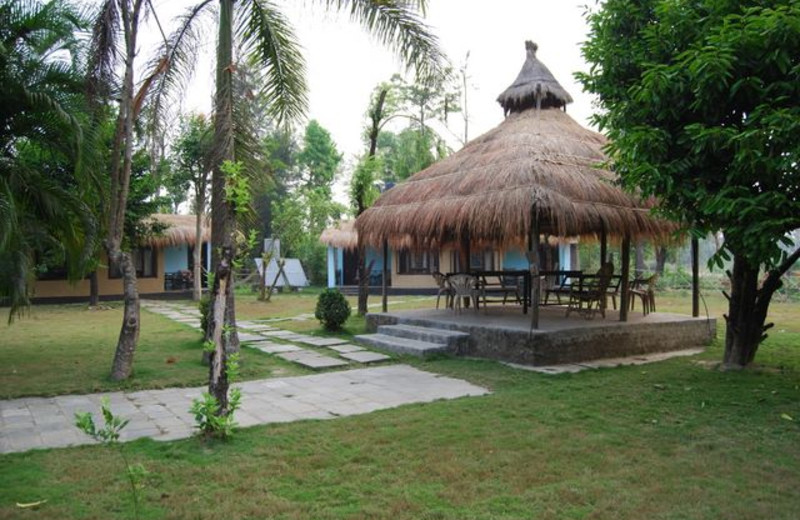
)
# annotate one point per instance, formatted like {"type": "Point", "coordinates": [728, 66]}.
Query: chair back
{"type": "Point", "coordinates": [440, 279]}
{"type": "Point", "coordinates": [463, 284]}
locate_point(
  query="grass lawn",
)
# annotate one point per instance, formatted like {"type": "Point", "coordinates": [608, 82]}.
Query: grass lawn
{"type": "Point", "coordinates": [671, 440]}
{"type": "Point", "coordinates": [62, 349]}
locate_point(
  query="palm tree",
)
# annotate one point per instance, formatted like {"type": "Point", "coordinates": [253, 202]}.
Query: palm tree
{"type": "Point", "coordinates": [263, 35]}
{"type": "Point", "coordinates": [41, 209]}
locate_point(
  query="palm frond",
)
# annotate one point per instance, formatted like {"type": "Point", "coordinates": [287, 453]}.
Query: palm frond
{"type": "Point", "coordinates": [268, 37]}
{"type": "Point", "coordinates": [104, 53]}
{"type": "Point", "coordinates": [173, 64]}
{"type": "Point", "coordinates": [396, 24]}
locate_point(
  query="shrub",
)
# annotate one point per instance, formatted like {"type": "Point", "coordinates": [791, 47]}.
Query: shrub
{"type": "Point", "coordinates": [332, 309]}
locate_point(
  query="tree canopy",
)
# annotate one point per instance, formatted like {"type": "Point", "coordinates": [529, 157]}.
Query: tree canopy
{"type": "Point", "coordinates": [701, 102]}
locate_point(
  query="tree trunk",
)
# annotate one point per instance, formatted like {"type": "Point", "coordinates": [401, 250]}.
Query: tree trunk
{"type": "Point", "coordinates": [747, 309]}
{"type": "Point", "coordinates": [222, 222]}
{"type": "Point", "coordinates": [129, 333]}
{"type": "Point", "coordinates": [120, 183]}
{"type": "Point", "coordinates": [197, 293]}
{"type": "Point", "coordinates": [661, 259]}
{"type": "Point", "coordinates": [363, 281]}
{"type": "Point", "coordinates": [94, 290]}
{"type": "Point", "coordinates": [218, 362]}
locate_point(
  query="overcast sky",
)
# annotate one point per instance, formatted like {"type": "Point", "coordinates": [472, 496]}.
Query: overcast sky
{"type": "Point", "coordinates": [344, 64]}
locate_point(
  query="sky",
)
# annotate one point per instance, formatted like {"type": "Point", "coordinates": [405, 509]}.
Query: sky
{"type": "Point", "coordinates": [344, 63]}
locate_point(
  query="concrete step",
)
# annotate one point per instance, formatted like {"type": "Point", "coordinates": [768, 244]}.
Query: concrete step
{"type": "Point", "coordinates": [401, 345]}
{"type": "Point", "coordinates": [451, 338]}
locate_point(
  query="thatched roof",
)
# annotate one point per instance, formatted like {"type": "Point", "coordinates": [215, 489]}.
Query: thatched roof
{"type": "Point", "coordinates": [342, 235]}
{"type": "Point", "coordinates": [180, 230]}
{"type": "Point", "coordinates": [535, 87]}
{"type": "Point", "coordinates": [485, 190]}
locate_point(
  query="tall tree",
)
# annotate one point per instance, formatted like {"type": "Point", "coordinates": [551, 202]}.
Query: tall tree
{"type": "Point", "coordinates": [191, 151]}
{"type": "Point", "coordinates": [267, 40]}
{"type": "Point", "coordinates": [362, 185]}
{"type": "Point", "coordinates": [701, 106]}
{"type": "Point", "coordinates": [41, 183]}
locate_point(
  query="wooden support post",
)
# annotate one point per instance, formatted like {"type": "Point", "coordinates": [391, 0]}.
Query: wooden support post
{"type": "Point", "coordinates": [624, 300]}
{"type": "Point", "coordinates": [535, 262]}
{"type": "Point", "coordinates": [603, 246]}
{"type": "Point", "coordinates": [384, 278]}
{"type": "Point", "coordinates": [464, 254]}
{"type": "Point", "coordinates": [695, 278]}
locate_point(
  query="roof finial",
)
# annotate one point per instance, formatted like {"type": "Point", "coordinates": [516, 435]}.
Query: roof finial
{"type": "Point", "coordinates": [531, 48]}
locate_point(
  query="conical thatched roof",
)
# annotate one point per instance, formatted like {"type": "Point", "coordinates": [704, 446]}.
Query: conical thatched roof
{"type": "Point", "coordinates": [180, 230]}
{"type": "Point", "coordinates": [342, 235]}
{"type": "Point", "coordinates": [485, 190]}
{"type": "Point", "coordinates": [535, 87]}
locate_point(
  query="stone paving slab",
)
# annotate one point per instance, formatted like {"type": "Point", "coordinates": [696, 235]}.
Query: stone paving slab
{"type": "Point", "coordinates": [37, 422]}
{"type": "Point", "coordinates": [365, 356]}
{"type": "Point", "coordinates": [317, 341]}
{"type": "Point", "coordinates": [278, 333]}
{"type": "Point", "coordinates": [311, 359]}
{"type": "Point", "coordinates": [255, 327]}
{"type": "Point", "coordinates": [247, 337]}
{"type": "Point", "coordinates": [347, 347]}
{"type": "Point", "coordinates": [642, 359]}
{"type": "Point", "coordinates": [271, 347]}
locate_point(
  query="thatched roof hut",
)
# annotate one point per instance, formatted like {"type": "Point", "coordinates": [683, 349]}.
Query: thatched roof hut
{"type": "Point", "coordinates": [341, 235]}
{"type": "Point", "coordinates": [537, 157]}
{"type": "Point", "coordinates": [180, 230]}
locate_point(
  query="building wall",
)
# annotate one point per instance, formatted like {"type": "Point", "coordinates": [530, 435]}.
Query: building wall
{"type": "Point", "coordinates": [106, 286]}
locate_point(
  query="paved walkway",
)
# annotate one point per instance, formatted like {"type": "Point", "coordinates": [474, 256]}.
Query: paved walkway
{"type": "Point", "coordinates": [37, 422]}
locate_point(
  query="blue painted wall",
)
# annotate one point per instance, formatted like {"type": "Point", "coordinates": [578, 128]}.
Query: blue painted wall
{"type": "Point", "coordinates": [515, 259]}
{"type": "Point", "coordinates": [176, 258]}
{"type": "Point", "coordinates": [335, 272]}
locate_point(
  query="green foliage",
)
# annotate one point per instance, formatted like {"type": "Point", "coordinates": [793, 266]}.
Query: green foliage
{"type": "Point", "coordinates": [237, 188]}
{"type": "Point", "coordinates": [204, 305]}
{"type": "Point", "coordinates": [41, 175]}
{"type": "Point", "coordinates": [363, 191]}
{"type": "Point", "coordinates": [190, 158]}
{"type": "Point", "coordinates": [700, 104]}
{"type": "Point", "coordinates": [332, 309]}
{"type": "Point", "coordinates": [210, 420]}
{"type": "Point", "coordinates": [319, 157]}
{"type": "Point", "coordinates": [109, 435]}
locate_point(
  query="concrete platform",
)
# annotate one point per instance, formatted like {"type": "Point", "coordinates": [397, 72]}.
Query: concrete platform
{"type": "Point", "coordinates": [504, 333]}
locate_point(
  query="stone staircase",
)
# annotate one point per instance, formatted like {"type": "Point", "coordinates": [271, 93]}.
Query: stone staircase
{"type": "Point", "coordinates": [414, 340]}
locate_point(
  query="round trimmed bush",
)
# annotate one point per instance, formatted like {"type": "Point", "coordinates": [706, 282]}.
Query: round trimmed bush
{"type": "Point", "coordinates": [332, 309]}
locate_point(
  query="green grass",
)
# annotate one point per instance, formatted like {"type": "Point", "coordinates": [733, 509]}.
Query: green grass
{"type": "Point", "coordinates": [61, 349]}
{"type": "Point", "coordinates": [670, 440]}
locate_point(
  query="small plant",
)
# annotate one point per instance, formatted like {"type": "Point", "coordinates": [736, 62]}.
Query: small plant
{"type": "Point", "coordinates": [206, 410]}
{"type": "Point", "coordinates": [108, 435]}
{"type": "Point", "coordinates": [205, 306]}
{"type": "Point", "coordinates": [332, 309]}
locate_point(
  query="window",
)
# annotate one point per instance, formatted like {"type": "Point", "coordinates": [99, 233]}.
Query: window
{"type": "Point", "coordinates": [144, 258]}
{"type": "Point", "coordinates": [478, 260]}
{"type": "Point", "coordinates": [418, 262]}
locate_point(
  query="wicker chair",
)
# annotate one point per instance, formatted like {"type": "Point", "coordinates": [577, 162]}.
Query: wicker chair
{"type": "Point", "coordinates": [463, 286]}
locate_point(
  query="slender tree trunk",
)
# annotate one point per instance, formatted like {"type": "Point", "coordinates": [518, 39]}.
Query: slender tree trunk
{"type": "Point", "coordinates": [218, 362]}
{"type": "Point", "coordinates": [197, 269]}
{"type": "Point", "coordinates": [222, 328]}
{"type": "Point", "coordinates": [363, 281]}
{"type": "Point", "coordinates": [94, 290]}
{"type": "Point", "coordinates": [129, 334]}
{"type": "Point", "coordinates": [747, 309]}
{"type": "Point", "coordinates": [120, 183]}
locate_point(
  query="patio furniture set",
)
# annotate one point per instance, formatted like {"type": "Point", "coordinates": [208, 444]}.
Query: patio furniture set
{"type": "Point", "coordinates": [583, 293]}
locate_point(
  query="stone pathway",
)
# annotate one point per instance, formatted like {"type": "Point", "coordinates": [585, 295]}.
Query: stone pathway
{"type": "Point", "coordinates": [642, 359]}
{"type": "Point", "coordinates": [257, 334]}
{"type": "Point", "coordinates": [37, 422]}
